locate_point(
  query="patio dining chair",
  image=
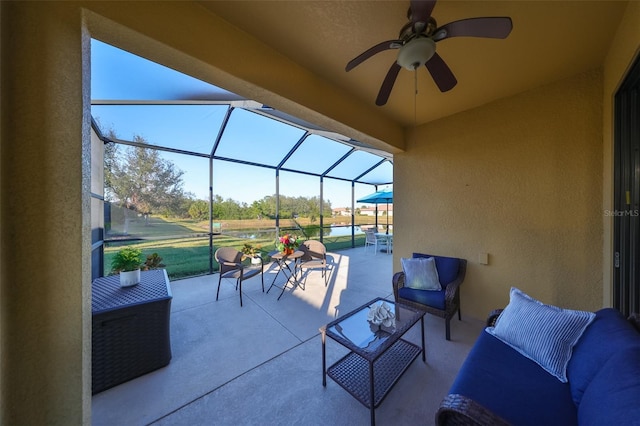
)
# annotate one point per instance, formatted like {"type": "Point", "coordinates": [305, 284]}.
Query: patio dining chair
{"type": "Point", "coordinates": [315, 257]}
{"type": "Point", "coordinates": [370, 240]}
{"type": "Point", "coordinates": [232, 266]}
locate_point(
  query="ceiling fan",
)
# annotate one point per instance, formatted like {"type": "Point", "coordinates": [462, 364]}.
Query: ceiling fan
{"type": "Point", "coordinates": [417, 44]}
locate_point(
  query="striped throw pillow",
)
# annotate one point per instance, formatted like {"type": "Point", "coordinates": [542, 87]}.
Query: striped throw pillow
{"type": "Point", "coordinates": [545, 334]}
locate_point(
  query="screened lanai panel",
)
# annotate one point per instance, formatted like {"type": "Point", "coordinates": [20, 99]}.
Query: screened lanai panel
{"type": "Point", "coordinates": [354, 165]}
{"type": "Point", "coordinates": [187, 127]}
{"type": "Point", "coordinates": [254, 138]}
{"type": "Point", "coordinates": [338, 192]}
{"type": "Point", "coordinates": [242, 183]}
{"type": "Point", "coordinates": [383, 174]}
{"type": "Point", "coordinates": [316, 155]}
{"type": "Point", "coordinates": [296, 185]}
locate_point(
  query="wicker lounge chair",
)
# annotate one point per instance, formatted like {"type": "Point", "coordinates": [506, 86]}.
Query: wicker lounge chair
{"type": "Point", "coordinates": [444, 303]}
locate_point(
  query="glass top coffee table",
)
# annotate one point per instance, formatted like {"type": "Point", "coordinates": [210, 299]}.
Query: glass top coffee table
{"type": "Point", "coordinates": [378, 355]}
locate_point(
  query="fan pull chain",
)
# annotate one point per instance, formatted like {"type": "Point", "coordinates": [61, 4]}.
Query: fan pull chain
{"type": "Point", "coordinates": [415, 97]}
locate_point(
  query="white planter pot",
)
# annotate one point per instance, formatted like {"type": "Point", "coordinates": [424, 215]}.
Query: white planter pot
{"type": "Point", "coordinates": [129, 278]}
{"type": "Point", "coordinates": [256, 260]}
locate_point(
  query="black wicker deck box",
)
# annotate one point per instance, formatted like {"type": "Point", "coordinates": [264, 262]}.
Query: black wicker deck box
{"type": "Point", "coordinates": [130, 328]}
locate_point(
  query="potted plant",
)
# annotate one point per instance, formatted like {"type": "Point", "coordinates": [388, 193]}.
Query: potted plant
{"type": "Point", "coordinates": [127, 262]}
{"type": "Point", "coordinates": [252, 252]}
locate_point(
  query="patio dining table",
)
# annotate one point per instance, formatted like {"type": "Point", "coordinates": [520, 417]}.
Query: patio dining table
{"type": "Point", "coordinates": [387, 239]}
{"type": "Point", "coordinates": [284, 262]}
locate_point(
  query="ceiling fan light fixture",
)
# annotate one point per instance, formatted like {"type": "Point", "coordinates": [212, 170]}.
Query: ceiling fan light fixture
{"type": "Point", "coordinates": [416, 46]}
{"type": "Point", "coordinates": [416, 52]}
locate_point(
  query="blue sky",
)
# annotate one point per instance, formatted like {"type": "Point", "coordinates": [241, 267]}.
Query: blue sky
{"type": "Point", "coordinates": [119, 75]}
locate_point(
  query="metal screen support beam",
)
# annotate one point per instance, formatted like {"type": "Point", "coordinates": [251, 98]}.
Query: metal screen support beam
{"type": "Point", "coordinates": [321, 210]}
{"type": "Point", "coordinates": [278, 167]}
{"type": "Point", "coordinates": [216, 143]}
{"type": "Point", "coordinates": [357, 178]}
{"type": "Point", "coordinates": [277, 203]}
{"type": "Point", "coordinates": [376, 186]}
{"type": "Point", "coordinates": [211, 215]}
{"type": "Point", "coordinates": [353, 214]}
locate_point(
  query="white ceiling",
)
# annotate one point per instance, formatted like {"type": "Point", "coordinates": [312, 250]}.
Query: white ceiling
{"type": "Point", "coordinates": [550, 40]}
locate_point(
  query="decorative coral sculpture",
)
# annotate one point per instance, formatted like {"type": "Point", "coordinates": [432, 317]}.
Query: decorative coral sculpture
{"type": "Point", "coordinates": [381, 315]}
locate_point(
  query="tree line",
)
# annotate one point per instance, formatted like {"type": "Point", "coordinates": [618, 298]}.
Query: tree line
{"type": "Point", "coordinates": [139, 179]}
{"type": "Point", "coordinates": [290, 207]}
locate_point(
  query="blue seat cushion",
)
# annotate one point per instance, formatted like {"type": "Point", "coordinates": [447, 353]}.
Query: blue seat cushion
{"type": "Point", "coordinates": [433, 298]}
{"type": "Point", "coordinates": [590, 355]}
{"type": "Point", "coordinates": [513, 386]}
{"type": "Point", "coordinates": [612, 396]}
{"type": "Point", "coordinates": [447, 267]}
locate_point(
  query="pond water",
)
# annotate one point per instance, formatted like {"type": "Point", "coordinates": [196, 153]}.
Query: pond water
{"type": "Point", "coordinates": [339, 231]}
{"type": "Point", "coordinates": [311, 232]}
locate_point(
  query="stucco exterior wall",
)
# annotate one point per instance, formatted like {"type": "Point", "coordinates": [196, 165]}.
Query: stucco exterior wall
{"type": "Point", "coordinates": [623, 51]}
{"type": "Point", "coordinates": [44, 197]}
{"type": "Point", "coordinates": [520, 179]}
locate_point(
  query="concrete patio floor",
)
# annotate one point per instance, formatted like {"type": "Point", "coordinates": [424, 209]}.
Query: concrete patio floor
{"type": "Point", "coordinates": [262, 364]}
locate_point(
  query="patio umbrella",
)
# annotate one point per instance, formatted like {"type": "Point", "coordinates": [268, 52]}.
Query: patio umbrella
{"type": "Point", "coordinates": [379, 197]}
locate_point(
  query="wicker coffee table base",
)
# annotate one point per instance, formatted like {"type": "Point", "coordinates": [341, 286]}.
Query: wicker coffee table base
{"type": "Point", "coordinates": [353, 372]}
{"type": "Point", "coordinates": [377, 357]}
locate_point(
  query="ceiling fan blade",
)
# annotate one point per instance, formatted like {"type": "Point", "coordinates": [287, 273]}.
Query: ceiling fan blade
{"type": "Point", "coordinates": [387, 84]}
{"type": "Point", "coordinates": [441, 74]}
{"type": "Point", "coordinates": [421, 11]}
{"type": "Point", "coordinates": [380, 47]}
{"type": "Point", "coordinates": [489, 27]}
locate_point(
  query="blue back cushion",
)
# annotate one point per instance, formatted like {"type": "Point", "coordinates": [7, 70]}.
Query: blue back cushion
{"type": "Point", "coordinates": [447, 267]}
{"type": "Point", "coordinates": [612, 397]}
{"type": "Point", "coordinates": [433, 298]}
{"type": "Point", "coordinates": [513, 386]}
{"type": "Point", "coordinates": [590, 354]}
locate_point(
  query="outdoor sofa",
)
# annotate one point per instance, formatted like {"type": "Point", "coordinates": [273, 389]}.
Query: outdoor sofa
{"type": "Point", "coordinates": [498, 384]}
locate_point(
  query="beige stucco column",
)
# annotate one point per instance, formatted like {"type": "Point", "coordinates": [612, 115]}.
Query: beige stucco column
{"type": "Point", "coordinates": [44, 198]}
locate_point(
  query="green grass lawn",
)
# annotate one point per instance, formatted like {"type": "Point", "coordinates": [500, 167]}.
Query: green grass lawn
{"type": "Point", "coordinates": [156, 226]}
{"type": "Point", "coordinates": [185, 250]}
